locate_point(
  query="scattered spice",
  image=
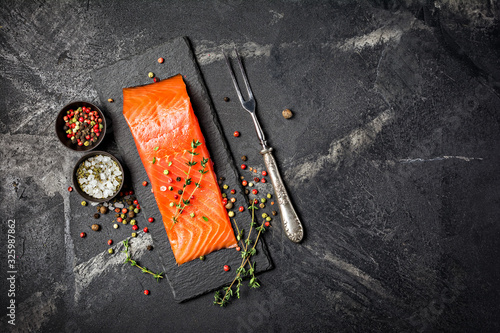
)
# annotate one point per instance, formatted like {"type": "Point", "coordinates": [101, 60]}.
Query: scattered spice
{"type": "Point", "coordinates": [243, 166]}
{"type": "Point", "coordinates": [115, 226]}
{"type": "Point", "coordinates": [96, 215]}
{"type": "Point", "coordinates": [110, 241]}
{"type": "Point", "coordinates": [111, 251]}
{"type": "Point", "coordinates": [244, 183]}
{"type": "Point", "coordinates": [254, 191]}
{"type": "Point", "coordinates": [146, 230]}
{"type": "Point", "coordinates": [227, 268]}
{"type": "Point", "coordinates": [151, 74]}
{"type": "Point", "coordinates": [274, 212]}
{"type": "Point", "coordinates": [83, 235]}
{"type": "Point", "coordinates": [150, 247]}
{"type": "Point", "coordinates": [70, 189]}
{"type": "Point", "coordinates": [134, 234]}
{"type": "Point", "coordinates": [146, 292]}
{"type": "Point", "coordinates": [160, 60]}
{"type": "Point", "coordinates": [155, 79]}
{"type": "Point", "coordinates": [202, 258]}
{"type": "Point", "coordinates": [84, 203]}
{"type": "Point", "coordinates": [95, 227]}
{"type": "Point", "coordinates": [135, 227]}
{"type": "Point", "coordinates": [110, 100]}
{"type": "Point", "coordinates": [241, 208]}
{"type": "Point", "coordinates": [103, 210]}
{"type": "Point", "coordinates": [151, 219]}
{"type": "Point", "coordinates": [267, 223]}
{"type": "Point", "coordinates": [229, 205]}
{"type": "Point", "coordinates": [287, 114]}
{"type": "Point", "coordinates": [226, 99]}
{"type": "Point", "coordinates": [236, 134]}
{"type": "Point", "coordinates": [243, 158]}
{"type": "Point", "coordinates": [144, 183]}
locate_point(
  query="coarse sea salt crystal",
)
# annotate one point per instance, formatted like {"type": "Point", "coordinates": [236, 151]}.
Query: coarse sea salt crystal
{"type": "Point", "coordinates": [105, 181]}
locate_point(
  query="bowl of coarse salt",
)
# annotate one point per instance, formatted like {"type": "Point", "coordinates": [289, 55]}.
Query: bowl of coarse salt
{"type": "Point", "coordinates": [98, 176]}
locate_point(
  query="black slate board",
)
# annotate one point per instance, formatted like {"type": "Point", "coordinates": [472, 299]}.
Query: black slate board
{"type": "Point", "coordinates": [196, 277]}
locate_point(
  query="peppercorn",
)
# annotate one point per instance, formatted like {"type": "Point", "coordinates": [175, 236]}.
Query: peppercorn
{"type": "Point", "coordinates": [192, 214]}
{"type": "Point", "coordinates": [247, 191]}
{"type": "Point", "coordinates": [202, 258]}
{"type": "Point", "coordinates": [287, 113]}
{"type": "Point", "coordinates": [151, 74]}
{"type": "Point", "coordinates": [110, 100]}
{"type": "Point", "coordinates": [224, 195]}
{"type": "Point", "coordinates": [233, 200]}
{"type": "Point", "coordinates": [243, 158]}
{"type": "Point", "coordinates": [96, 216]}
{"type": "Point", "coordinates": [131, 213]}
{"type": "Point", "coordinates": [155, 79]}
{"type": "Point", "coordinates": [146, 292]}
{"type": "Point", "coordinates": [115, 226]}
{"type": "Point", "coordinates": [180, 191]}
{"type": "Point", "coordinates": [254, 191]}
{"type": "Point", "coordinates": [238, 248]}
{"type": "Point", "coordinates": [111, 251]}
{"type": "Point", "coordinates": [144, 183]}
{"type": "Point", "coordinates": [267, 224]}
{"type": "Point", "coordinates": [160, 60]}
{"type": "Point", "coordinates": [227, 268]}
{"type": "Point", "coordinates": [229, 205]}
{"type": "Point", "coordinates": [125, 221]}
{"type": "Point", "coordinates": [70, 189]}
{"type": "Point", "coordinates": [146, 230]}
{"type": "Point", "coordinates": [274, 212]}
{"type": "Point", "coordinates": [136, 210]}
{"type": "Point", "coordinates": [243, 166]}
{"type": "Point", "coordinates": [95, 227]}
{"type": "Point", "coordinates": [226, 99]}
{"type": "Point", "coordinates": [178, 179]}
{"type": "Point", "coordinates": [230, 213]}
{"type": "Point", "coordinates": [263, 180]}
{"type": "Point", "coordinates": [241, 208]}
{"type": "Point", "coordinates": [262, 205]}
{"type": "Point", "coordinates": [117, 215]}
{"type": "Point", "coordinates": [83, 235]}
{"type": "Point", "coordinates": [134, 234]}
{"type": "Point", "coordinates": [133, 222]}
{"type": "Point", "coordinates": [151, 220]}
{"type": "Point", "coordinates": [264, 215]}
{"type": "Point", "coordinates": [110, 241]}
{"type": "Point", "coordinates": [244, 183]}
{"type": "Point", "coordinates": [103, 210]}
{"type": "Point", "coordinates": [269, 196]}
{"type": "Point", "coordinates": [150, 247]}
{"type": "Point", "coordinates": [233, 191]}
{"type": "Point", "coordinates": [236, 134]}
{"type": "Point", "coordinates": [135, 227]}
{"type": "Point", "coordinates": [268, 218]}
{"type": "Point", "coordinates": [84, 203]}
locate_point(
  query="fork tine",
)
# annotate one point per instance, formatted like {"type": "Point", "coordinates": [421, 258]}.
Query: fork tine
{"type": "Point", "coordinates": [247, 84]}
{"type": "Point", "coordinates": [234, 78]}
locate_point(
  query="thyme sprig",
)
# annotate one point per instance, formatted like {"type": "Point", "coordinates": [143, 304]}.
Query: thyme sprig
{"type": "Point", "coordinates": [247, 268]}
{"type": "Point", "coordinates": [183, 203]}
{"type": "Point", "coordinates": [132, 262]}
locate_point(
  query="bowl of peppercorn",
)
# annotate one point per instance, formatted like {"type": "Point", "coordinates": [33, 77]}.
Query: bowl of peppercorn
{"type": "Point", "coordinates": [80, 126]}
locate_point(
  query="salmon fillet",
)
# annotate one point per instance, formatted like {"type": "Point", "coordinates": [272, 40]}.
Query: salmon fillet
{"type": "Point", "coordinates": [173, 151]}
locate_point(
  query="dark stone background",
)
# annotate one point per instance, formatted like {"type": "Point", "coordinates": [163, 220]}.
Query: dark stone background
{"type": "Point", "coordinates": [391, 159]}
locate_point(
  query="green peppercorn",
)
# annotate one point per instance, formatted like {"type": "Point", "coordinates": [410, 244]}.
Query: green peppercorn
{"type": "Point", "coordinates": [84, 203]}
{"type": "Point", "coordinates": [268, 219]}
{"type": "Point", "coordinates": [123, 216]}
{"type": "Point", "coordinates": [230, 213]}
{"type": "Point", "coordinates": [134, 234]}
{"type": "Point", "coordinates": [264, 215]}
{"type": "Point", "coordinates": [136, 210]}
{"type": "Point", "coordinates": [263, 200]}
{"type": "Point", "coordinates": [132, 222]}
{"type": "Point", "coordinates": [274, 212]}
{"type": "Point", "coordinates": [151, 74]}
{"type": "Point", "coordinates": [225, 186]}
{"type": "Point", "coordinates": [130, 207]}
{"type": "Point", "coordinates": [202, 258]}
{"type": "Point", "coordinates": [262, 205]}
{"type": "Point", "coordinates": [224, 195]}
{"type": "Point", "coordinates": [111, 251]}
{"type": "Point", "coordinates": [192, 214]}
{"type": "Point", "coordinates": [124, 221]}
{"type": "Point", "coordinates": [269, 196]}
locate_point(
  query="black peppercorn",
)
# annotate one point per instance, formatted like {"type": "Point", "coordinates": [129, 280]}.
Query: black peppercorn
{"type": "Point", "coordinates": [226, 99]}
{"type": "Point", "coordinates": [180, 191]}
{"type": "Point", "coordinates": [243, 158]}
{"type": "Point", "coordinates": [96, 216]}
{"type": "Point", "coordinates": [150, 247]}
{"type": "Point", "coordinates": [178, 179]}
{"type": "Point", "coordinates": [275, 212]}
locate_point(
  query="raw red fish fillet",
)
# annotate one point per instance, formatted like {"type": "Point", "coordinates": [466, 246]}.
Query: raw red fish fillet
{"type": "Point", "coordinates": [170, 144]}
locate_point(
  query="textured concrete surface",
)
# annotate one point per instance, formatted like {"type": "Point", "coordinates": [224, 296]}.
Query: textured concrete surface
{"type": "Point", "coordinates": [391, 159]}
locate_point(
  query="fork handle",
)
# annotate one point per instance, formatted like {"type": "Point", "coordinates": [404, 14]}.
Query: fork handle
{"type": "Point", "coordinates": [289, 219]}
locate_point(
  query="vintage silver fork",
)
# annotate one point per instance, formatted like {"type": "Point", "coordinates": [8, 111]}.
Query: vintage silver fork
{"type": "Point", "coordinates": [291, 222]}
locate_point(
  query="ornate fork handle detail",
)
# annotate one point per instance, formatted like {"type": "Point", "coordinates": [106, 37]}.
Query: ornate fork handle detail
{"type": "Point", "coordinates": [289, 219]}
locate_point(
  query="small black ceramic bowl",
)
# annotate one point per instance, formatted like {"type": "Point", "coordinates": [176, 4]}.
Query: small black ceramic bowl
{"type": "Point", "coordinates": [61, 131]}
{"type": "Point", "coordinates": [77, 185]}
